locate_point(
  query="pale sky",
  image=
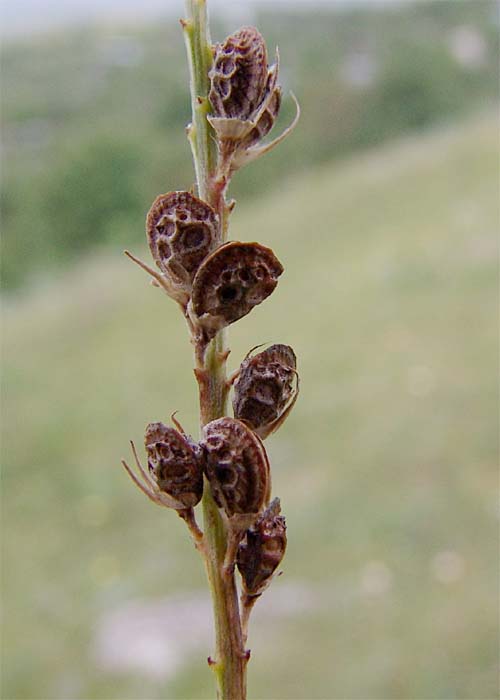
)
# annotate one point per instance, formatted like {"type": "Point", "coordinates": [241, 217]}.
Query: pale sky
{"type": "Point", "coordinates": [24, 17]}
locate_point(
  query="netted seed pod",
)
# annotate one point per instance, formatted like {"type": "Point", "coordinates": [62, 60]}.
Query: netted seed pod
{"type": "Point", "coordinates": [238, 75]}
{"type": "Point", "coordinates": [262, 550]}
{"type": "Point", "coordinates": [231, 281]}
{"type": "Point", "coordinates": [237, 467]}
{"type": "Point", "coordinates": [182, 232]}
{"type": "Point", "coordinates": [266, 389]}
{"type": "Point", "coordinates": [175, 464]}
{"type": "Point", "coordinates": [245, 100]}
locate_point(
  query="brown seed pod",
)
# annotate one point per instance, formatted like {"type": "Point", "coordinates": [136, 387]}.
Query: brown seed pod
{"type": "Point", "coordinates": [245, 100]}
{"type": "Point", "coordinates": [174, 464]}
{"type": "Point", "coordinates": [266, 389]}
{"type": "Point", "coordinates": [237, 467]}
{"type": "Point", "coordinates": [262, 550]}
{"type": "Point", "coordinates": [231, 281]}
{"type": "Point", "coordinates": [239, 75]}
{"type": "Point", "coordinates": [181, 231]}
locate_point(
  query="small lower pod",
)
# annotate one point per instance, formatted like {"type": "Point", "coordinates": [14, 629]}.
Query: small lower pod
{"type": "Point", "coordinates": [231, 281]}
{"type": "Point", "coordinates": [174, 464]}
{"type": "Point", "coordinates": [262, 550]}
{"type": "Point", "coordinates": [237, 468]}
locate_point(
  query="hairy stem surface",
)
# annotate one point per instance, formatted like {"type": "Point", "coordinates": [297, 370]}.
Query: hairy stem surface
{"type": "Point", "coordinates": [230, 660]}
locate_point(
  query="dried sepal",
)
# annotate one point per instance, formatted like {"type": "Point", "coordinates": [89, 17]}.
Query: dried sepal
{"type": "Point", "coordinates": [266, 389]}
{"type": "Point", "coordinates": [182, 231]}
{"type": "Point", "coordinates": [262, 550]}
{"type": "Point", "coordinates": [158, 279]}
{"type": "Point", "coordinates": [174, 463]}
{"type": "Point", "coordinates": [145, 483]}
{"type": "Point", "coordinates": [230, 282]}
{"type": "Point", "coordinates": [237, 468]}
{"type": "Point", "coordinates": [247, 153]}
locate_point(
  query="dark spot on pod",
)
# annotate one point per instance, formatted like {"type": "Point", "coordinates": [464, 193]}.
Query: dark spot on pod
{"type": "Point", "coordinates": [174, 463]}
{"type": "Point", "coordinates": [227, 286]}
{"type": "Point", "coordinates": [194, 236]}
{"type": "Point", "coordinates": [262, 549]}
{"type": "Point", "coordinates": [236, 466]}
{"type": "Point", "coordinates": [228, 294]}
{"type": "Point", "coordinates": [182, 232]}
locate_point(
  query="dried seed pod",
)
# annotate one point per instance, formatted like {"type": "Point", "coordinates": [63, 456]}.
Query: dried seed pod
{"type": "Point", "coordinates": [231, 281]}
{"type": "Point", "coordinates": [262, 550]}
{"type": "Point", "coordinates": [181, 231]}
{"type": "Point", "coordinates": [266, 389]}
{"type": "Point", "coordinates": [245, 99]}
{"type": "Point", "coordinates": [237, 467]}
{"type": "Point", "coordinates": [174, 464]}
{"type": "Point", "coordinates": [239, 75]}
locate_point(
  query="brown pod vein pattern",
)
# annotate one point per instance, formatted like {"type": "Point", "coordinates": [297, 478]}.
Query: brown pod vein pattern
{"type": "Point", "coordinates": [239, 75]}
{"type": "Point", "coordinates": [174, 464]}
{"type": "Point", "coordinates": [182, 231]}
{"type": "Point", "coordinates": [262, 550]}
{"type": "Point", "coordinates": [237, 467]}
{"type": "Point", "coordinates": [231, 281]}
{"type": "Point", "coordinates": [265, 389]}
{"type": "Point", "coordinates": [266, 119]}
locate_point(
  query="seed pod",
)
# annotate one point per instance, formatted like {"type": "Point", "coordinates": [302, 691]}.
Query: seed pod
{"type": "Point", "coordinates": [266, 389]}
{"type": "Point", "coordinates": [237, 467]}
{"type": "Point", "coordinates": [174, 463]}
{"type": "Point", "coordinates": [181, 231]}
{"type": "Point", "coordinates": [231, 281]}
{"type": "Point", "coordinates": [262, 550]}
{"type": "Point", "coordinates": [239, 75]}
{"type": "Point", "coordinates": [245, 100]}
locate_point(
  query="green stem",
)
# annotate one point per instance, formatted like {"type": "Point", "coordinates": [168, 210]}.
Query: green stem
{"type": "Point", "coordinates": [203, 146]}
{"type": "Point", "coordinates": [230, 660]}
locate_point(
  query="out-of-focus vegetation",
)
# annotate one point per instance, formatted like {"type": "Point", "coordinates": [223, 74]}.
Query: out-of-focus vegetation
{"type": "Point", "coordinates": [387, 467]}
{"type": "Point", "coordinates": [93, 119]}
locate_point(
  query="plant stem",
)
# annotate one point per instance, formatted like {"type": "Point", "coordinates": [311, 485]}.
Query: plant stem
{"type": "Point", "coordinates": [231, 660]}
{"type": "Point", "coordinates": [196, 35]}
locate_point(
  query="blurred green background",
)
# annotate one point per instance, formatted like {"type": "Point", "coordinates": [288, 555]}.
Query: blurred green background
{"type": "Point", "coordinates": [383, 208]}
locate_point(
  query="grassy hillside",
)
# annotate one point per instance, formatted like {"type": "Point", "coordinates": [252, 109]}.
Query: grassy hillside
{"type": "Point", "coordinates": [386, 468]}
{"type": "Point", "coordinates": [95, 114]}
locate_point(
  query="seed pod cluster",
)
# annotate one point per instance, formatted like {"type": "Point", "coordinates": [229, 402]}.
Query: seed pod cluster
{"type": "Point", "coordinates": [234, 279]}
{"type": "Point", "coordinates": [182, 231]}
{"type": "Point", "coordinates": [237, 467]}
{"type": "Point", "coordinates": [216, 284]}
{"type": "Point", "coordinates": [266, 389]}
{"type": "Point", "coordinates": [262, 550]}
{"type": "Point", "coordinates": [174, 464]}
